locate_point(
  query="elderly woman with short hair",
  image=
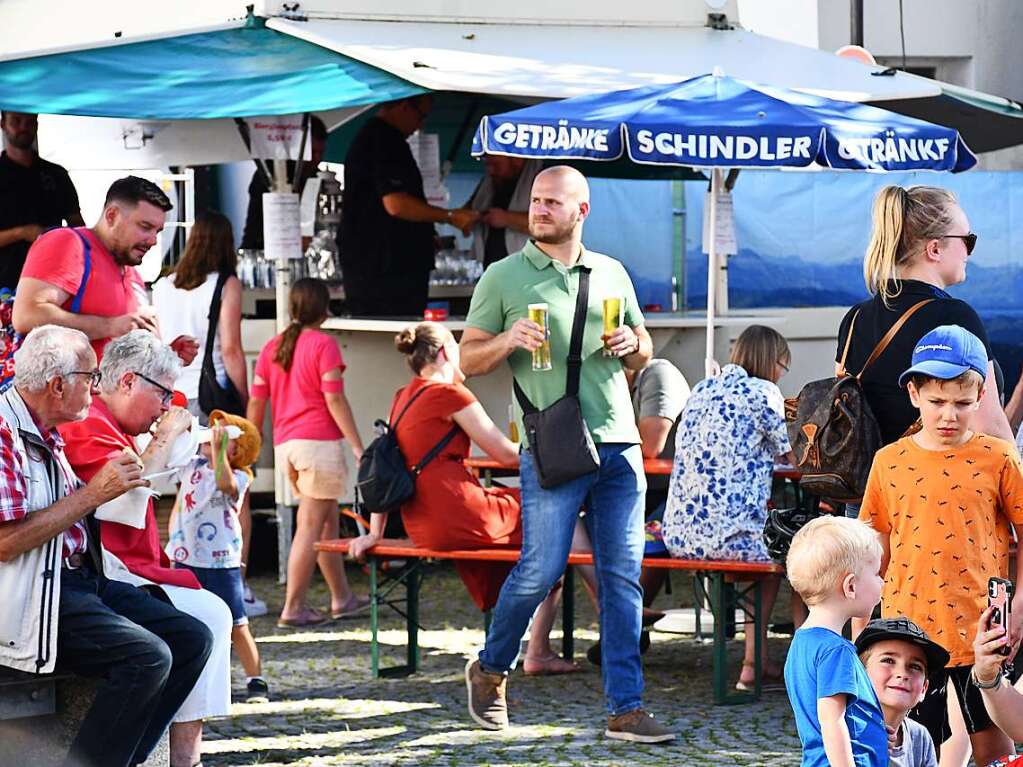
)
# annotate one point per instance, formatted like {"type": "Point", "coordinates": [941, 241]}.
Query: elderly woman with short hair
{"type": "Point", "coordinates": [137, 373]}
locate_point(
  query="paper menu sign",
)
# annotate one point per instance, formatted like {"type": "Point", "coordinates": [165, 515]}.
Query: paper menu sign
{"type": "Point", "coordinates": [282, 233]}
{"type": "Point", "coordinates": [426, 152]}
{"type": "Point", "coordinates": [277, 138]}
{"type": "Point", "coordinates": [725, 231]}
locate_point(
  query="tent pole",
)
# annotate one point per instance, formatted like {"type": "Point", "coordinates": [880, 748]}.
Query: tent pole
{"type": "Point", "coordinates": [282, 489]}
{"type": "Point", "coordinates": [710, 364]}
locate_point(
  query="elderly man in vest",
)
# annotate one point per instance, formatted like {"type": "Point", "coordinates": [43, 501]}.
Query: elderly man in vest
{"type": "Point", "coordinates": [60, 612]}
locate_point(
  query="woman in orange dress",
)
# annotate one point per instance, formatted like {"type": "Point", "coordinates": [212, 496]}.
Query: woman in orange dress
{"type": "Point", "coordinates": [450, 509]}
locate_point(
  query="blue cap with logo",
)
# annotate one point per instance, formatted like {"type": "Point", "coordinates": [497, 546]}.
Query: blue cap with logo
{"type": "Point", "coordinates": [947, 352]}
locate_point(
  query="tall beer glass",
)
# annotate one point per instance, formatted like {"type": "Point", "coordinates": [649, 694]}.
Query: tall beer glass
{"type": "Point", "coordinates": [612, 319]}
{"type": "Point", "coordinates": [542, 356]}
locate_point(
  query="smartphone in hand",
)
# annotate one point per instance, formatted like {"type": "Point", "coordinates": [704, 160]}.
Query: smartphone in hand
{"type": "Point", "coordinates": [999, 596]}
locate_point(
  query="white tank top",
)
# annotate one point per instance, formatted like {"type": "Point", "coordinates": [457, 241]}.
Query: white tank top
{"type": "Point", "coordinates": [186, 312]}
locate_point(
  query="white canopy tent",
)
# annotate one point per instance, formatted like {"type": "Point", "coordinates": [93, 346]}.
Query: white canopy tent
{"type": "Point", "coordinates": [547, 61]}
{"type": "Point", "coordinates": [102, 143]}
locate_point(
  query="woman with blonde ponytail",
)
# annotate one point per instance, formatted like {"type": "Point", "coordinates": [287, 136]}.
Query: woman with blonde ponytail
{"type": "Point", "coordinates": [299, 371]}
{"type": "Point", "coordinates": [450, 509]}
{"type": "Point", "coordinates": [919, 246]}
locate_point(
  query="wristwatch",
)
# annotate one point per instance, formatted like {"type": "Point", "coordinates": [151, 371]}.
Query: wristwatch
{"type": "Point", "coordinates": [992, 685]}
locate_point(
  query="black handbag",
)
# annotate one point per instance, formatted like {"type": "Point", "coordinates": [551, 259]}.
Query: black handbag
{"type": "Point", "coordinates": [213, 396]}
{"type": "Point", "coordinates": [384, 479]}
{"type": "Point", "coordinates": [558, 438]}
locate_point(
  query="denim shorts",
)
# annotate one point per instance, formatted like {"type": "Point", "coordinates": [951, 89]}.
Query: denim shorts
{"type": "Point", "coordinates": [226, 583]}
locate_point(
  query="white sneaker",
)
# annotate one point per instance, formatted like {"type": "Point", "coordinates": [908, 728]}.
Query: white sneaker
{"type": "Point", "coordinates": [254, 607]}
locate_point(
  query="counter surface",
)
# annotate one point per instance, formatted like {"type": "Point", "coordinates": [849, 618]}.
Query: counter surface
{"type": "Point", "coordinates": [658, 320]}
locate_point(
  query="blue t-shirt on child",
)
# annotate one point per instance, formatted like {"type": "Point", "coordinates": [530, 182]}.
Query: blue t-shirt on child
{"type": "Point", "coordinates": [820, 664]}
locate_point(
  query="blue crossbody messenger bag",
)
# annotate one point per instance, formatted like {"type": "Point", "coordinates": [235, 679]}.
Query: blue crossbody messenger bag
{"type": "Point", "coordinates": [559, 441]}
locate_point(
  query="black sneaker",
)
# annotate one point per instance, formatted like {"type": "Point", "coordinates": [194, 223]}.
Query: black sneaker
{"type": "Point", "coordinates": [257, 691]}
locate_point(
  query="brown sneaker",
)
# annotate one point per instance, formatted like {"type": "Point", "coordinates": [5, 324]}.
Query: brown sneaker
{"type": "Point", "coordinates": [487, 704]}
{"type": "Point", "coordinates": [638, 727]}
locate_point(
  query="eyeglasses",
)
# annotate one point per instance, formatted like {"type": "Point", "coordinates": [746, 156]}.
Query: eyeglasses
{"type": "Point", "coordinates": [94, 376]}
{"type": "Point", "coordinates": [970, 240]}
{"type": "Point", "coordinates": [167, 394]}
{"type": "Point", "coordinates": [783, 366]}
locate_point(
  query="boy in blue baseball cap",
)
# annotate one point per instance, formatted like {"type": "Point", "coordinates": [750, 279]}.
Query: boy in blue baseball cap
{"type": "Point", "coordinates": [942, 501]}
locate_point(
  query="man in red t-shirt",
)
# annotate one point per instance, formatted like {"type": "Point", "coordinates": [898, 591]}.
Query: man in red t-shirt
{"type": "Point", "coordinates": [113, 301]}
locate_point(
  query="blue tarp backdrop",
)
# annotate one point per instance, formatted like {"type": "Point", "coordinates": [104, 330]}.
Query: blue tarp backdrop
{"type": "Point", "coordinates": [802, 237]}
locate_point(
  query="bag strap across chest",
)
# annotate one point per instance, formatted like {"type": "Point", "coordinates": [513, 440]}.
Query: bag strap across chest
{"type": "Point", "coordinates": [575, 345]}
{"type": "Point", "coordinates": [436, 449]}
{"type": "Point", "coordinates": [883, 343]}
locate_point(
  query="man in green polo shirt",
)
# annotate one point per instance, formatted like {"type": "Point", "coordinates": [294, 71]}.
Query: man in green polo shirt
{"type": "Point", "coordinates": [547, 271]}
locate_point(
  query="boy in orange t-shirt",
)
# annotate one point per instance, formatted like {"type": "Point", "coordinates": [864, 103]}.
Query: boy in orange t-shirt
{"type": "Point", "coordinates": [942, 501]}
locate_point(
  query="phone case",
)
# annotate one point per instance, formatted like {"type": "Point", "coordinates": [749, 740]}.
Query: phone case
{"type": "Point", "coordinates": [999, 596]}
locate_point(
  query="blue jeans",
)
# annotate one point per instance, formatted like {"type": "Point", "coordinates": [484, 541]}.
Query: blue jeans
{"type": "Point", "coordinates": [146, 654]}
{"type": "Point", "coordinates": [613, 496]}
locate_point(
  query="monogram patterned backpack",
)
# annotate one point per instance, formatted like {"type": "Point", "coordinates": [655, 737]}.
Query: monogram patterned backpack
{"type": "Point", "coordinates": [833, 432]}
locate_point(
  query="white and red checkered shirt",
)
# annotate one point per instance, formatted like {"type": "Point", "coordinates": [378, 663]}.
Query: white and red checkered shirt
{"type": "Point", "coordinates": [12, 484]}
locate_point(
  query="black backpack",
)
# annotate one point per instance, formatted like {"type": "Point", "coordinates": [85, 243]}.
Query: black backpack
{"type": "Point", "coordinates": [832, 430]}
{"type": "Point", "coordinates": [384, 479]}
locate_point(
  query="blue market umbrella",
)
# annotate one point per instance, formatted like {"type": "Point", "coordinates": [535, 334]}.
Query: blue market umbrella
{"type": "Point", "coordinates": [718, 122]}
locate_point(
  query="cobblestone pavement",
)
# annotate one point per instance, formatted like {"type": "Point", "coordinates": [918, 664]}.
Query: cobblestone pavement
{"type": "Point", "coordinates": [327, 710]}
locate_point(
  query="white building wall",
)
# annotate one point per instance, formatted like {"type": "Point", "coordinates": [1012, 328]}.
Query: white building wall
{"type": "Point", "coordinates": [972, 43]}
{"type": "Point", "coordinates": [679, 12]}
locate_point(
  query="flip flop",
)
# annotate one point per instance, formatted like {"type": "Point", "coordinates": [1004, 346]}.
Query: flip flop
{"type": "Point", "coordinates": [309, 617]}
{"type": "Point", "coordinates": [766, 685]}
{"type": "Point", "coordinates": [551, 666]}
{"type": "Point", "coordinates": [353, 607]}
{"type": "Point", "coordinates": [768, 681]}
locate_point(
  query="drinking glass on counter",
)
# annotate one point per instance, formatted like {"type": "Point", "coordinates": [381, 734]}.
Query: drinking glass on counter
{"type": "Point", "coordinates": [613, 319]}
{"type": "Point", "coordinates": [542, 355]}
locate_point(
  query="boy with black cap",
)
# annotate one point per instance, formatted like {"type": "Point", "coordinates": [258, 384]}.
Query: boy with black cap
{"type": "Point", "coordinates": [942, 501]}
{"type": "Point", "coordinates": [899, 657]}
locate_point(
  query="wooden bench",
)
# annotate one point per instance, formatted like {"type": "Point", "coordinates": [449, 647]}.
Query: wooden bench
{"type": "Point", "coordinates": [23, 694]}
{"type": "Point", "coordinates": [725, 598]}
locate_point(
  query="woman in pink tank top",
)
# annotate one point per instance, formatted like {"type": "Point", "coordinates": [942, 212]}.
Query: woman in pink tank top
{"type": "Point", "coordinates": [299, 372]}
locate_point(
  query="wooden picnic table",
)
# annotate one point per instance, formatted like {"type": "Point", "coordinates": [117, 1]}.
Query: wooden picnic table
{"type": "Point", "coordinates": [733, 586]}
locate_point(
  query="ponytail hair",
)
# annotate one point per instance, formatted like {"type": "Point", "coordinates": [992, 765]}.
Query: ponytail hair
{"type": "Point", "coordinates": [903, 219]}
{"type": "Point", "coordinates": [421, 344]}
{"type": "Point", "coordinates": [308, 303]}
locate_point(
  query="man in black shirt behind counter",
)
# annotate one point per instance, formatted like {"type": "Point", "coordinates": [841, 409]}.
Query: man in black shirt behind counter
{"type": "Point", "coordinates": [387, 236]}
{"type": "Point", "coordinates": [35, 195]}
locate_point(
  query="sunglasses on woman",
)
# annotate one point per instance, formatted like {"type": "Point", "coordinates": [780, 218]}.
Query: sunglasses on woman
{"type": "Point", "coordinates": [969, 240]}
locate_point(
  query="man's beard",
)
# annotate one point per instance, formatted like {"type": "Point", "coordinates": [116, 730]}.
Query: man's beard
{"type": "Point", "coordinates": [21, 140]}
{"type": "Point", "coordinates": [557, 235]}
{"type": "Point", "coordinates": [127, 256]}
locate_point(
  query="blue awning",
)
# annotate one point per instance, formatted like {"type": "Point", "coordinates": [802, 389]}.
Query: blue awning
{"type": "Point", "coordinates": [244, 72]}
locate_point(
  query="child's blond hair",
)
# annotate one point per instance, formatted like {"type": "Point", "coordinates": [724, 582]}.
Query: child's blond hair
{"type": "Point", "coordinates": [824, 551]}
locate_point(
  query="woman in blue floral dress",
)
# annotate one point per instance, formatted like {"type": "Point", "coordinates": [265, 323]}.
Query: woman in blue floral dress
{"type": "Point", "coordinates": [730, 433]}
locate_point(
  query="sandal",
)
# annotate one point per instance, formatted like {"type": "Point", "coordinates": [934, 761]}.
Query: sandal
{"type": "Point", "coordinates": [352, 607]}
{"type": "Point", "coordinates": [768, 680]}
{"type": "Point", "coordinates": [552, 665]}
{"type": "Point", "coordinates": [308, 617]}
